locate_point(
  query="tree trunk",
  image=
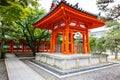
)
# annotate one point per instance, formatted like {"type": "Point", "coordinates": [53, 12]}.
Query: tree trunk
{"type": "Point", "coordinates": [34, 52]}
{"type": "Point", "coordinates": [116, 55]}
{"type": "Point", "coordinates": [3, 38]}
{"type": "Point", "coordinates": [116, 49]}
{"type": "Point", "coordinates": [112, 52]}
{"type": "Point", "coordinates": [1, 47]}
{"type": "Point", "coordinates": [2, 44]}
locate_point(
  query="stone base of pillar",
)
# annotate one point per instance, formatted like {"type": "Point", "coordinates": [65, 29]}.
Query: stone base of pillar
{"type": "Point", "coordinates": [69, 62]}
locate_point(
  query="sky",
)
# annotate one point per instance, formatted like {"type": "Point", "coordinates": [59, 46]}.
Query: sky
{"type": "Point", "coordinates": [88, 5]}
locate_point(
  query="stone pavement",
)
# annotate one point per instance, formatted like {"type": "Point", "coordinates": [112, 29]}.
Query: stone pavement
{"type": "Point", "coordinates": [17, 70]}
{"type": "Point", "coordinates": [3, 72]}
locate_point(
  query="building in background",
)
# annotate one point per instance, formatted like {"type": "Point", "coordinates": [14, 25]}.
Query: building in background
{"type": "Point", "coordinates": [98, 32]}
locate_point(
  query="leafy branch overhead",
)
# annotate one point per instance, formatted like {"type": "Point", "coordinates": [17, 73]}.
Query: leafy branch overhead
{"type": "Point", "coordinates": [111, 8]}
{"type": "Point", "coordinates": [16, 19]}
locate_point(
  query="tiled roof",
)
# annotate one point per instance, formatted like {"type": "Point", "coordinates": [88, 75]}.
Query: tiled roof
{"type": "Point", "coordinates": [70, 5]}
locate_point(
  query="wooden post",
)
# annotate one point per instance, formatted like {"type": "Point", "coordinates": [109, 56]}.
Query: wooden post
{"type": "Point", "coordinates": [88, 43]}
{"type": "Point", "coordinates": [25, 48]}
{"type": "Point", "coordinates": [12, 47]}
{"type": "Point", "coordinates": [67, 40]}
{"type": "Point", "coordinates": [22, 47]}
{"type": "Point", "coordinates": [84, 43]}
{"type": "Point", "coordinates": [72, 41]}
{"type": "Point", "coordinates": [52, 44]}
{"type": "Point", "coordinates": [63, 42]}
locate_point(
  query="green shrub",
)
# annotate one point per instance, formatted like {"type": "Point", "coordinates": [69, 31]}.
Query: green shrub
{"type": "Point", "coordinates": [3, 54]}
{"type": "Point", "coordinates": [100, 54]}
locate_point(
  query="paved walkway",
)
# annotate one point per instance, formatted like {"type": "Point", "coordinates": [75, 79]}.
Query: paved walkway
{"type": "Point", "coordinates": [17, 70]}
{"type": "Point", "coordinates": [3, 72]}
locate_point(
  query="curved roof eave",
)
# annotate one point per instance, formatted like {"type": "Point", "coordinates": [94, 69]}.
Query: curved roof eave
{"type": "Point", "coordinates": [68, 4]}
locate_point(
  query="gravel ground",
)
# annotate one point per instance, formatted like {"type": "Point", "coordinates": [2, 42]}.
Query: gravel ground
{"type": "Point", "coordinates": [3, 72]}
{"type": "Point", "coordinates": [111, 73]}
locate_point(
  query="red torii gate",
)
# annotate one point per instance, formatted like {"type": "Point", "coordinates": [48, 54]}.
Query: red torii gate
{"type": "Point", "coordinates": [66, 20]}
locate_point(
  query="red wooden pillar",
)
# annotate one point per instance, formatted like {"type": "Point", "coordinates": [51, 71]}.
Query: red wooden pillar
{"type": "Point", "coordinates": [25, 48]}
{"type": "Point", "coordinates": [67, 41]}
{"type": "Point", "coordinates": [12, 47]}
{"type": "Point", "coordinates": [42, 47]}
{"type": "Point", "coordinates": [63, 42]}
{"type": "Point", "coordinates": [84, 43]}
{"type": "Point", "coordinates": [88, 43]}
{"type": "Point", "coordinates": [22, 47]}
{"type": "Point", "coordinates": [71, 43]}
{"type": "Point", "coordinates": [52, 43]}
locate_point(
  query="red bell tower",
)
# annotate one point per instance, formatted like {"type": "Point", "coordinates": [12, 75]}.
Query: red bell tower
{"type": "Point", "coordinates": [65, 20]}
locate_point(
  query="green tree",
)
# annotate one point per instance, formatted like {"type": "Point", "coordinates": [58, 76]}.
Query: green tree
{"type": "Point", "coordinates": [33, 35]}
{"type": "Point", "coordinates": [97, 44]}
{"type": "Point", "coordinates": [113, 37]}
{"type": "Point", "coordinates": [101, 45]}
{"type": "Point", "coordinates": [110, 8]}
{"type": "Point", "coordinates": [8, 14]}
{"type": "Point", "coordinates": [18, 11]}
{"type": "Point", "coordinates": [112, 16]}
{"type": "Point", "coordinates": [93, 43]}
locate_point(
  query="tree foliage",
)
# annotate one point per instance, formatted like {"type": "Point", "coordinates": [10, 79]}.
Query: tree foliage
{"type": "Point", "coordinates": [97, 45]}
{"type": "Point", "coordinates": [16, 20]}
{"type": "Point", "coordinates": [93, 43]}
{"type": "Point", "coordinates": [101, 44]}
{"type": "Point", "coordinates": [113, 38]}
{"type": "Point", "coordinates": [10, 11]}
{"type": "Point", "coordinates": [111, 8]}
{"type": "Point", "coordinates": [30, 34]}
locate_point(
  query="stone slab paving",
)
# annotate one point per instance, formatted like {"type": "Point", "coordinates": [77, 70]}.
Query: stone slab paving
{"type": "Point", "coordinates": [45, 74]}
{"type": "Point", "coordinates": [17, 70]}
{"type": "Point", "coordinates": [3, 72]}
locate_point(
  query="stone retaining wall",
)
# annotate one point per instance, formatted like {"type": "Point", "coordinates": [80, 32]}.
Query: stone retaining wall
{"type": "Point", "coordinates": [69, 62]}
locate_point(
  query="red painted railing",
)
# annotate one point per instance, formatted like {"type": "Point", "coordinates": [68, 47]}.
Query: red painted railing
{"type": "Point", "coordinates": [12, 47]}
